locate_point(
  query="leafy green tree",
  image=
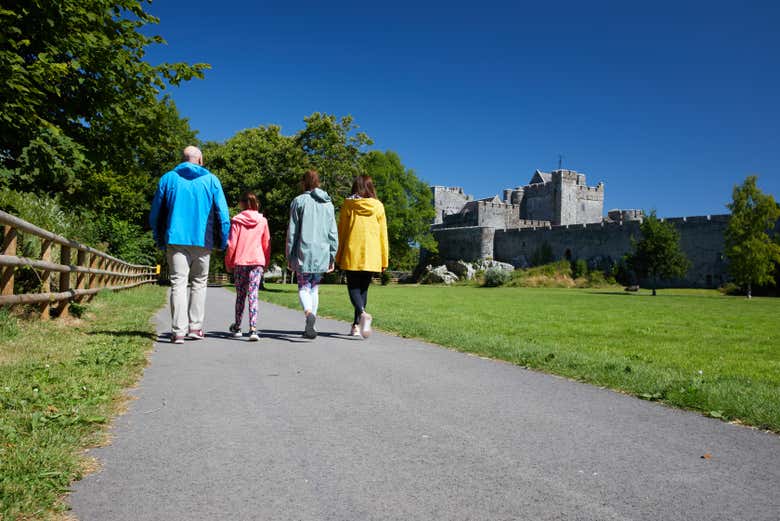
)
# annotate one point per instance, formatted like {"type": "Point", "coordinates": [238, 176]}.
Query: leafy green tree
{"type": "Point", "coordinates": [657, 254]}
{"type": "Point", "coordinates": [334, 148]}
{"type": "Point", "coordinates": [77, 67]}
{"type": "Point", "coordinates": [408, 207]}
{"type": "Point", "coordinates": [751, 251]}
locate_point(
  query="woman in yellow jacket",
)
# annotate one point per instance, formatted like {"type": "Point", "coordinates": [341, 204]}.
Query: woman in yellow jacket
{"type": "Point", "coordinates": [363, 247]}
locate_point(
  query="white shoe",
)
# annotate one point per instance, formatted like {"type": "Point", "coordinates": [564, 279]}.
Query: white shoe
{"type": "Point", "coordinates": [365, 324]}
{"type": "Point", "coordinates": [355, 331]}
{"type": "Point", "coordinates": [253, 336]}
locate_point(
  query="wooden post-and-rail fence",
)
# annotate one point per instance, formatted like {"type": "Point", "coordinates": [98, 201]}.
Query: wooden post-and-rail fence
{"type": "Point", "coordinates": [85, 275]}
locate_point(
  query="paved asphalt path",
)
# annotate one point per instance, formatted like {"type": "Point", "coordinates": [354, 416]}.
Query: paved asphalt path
{"type": "Point", "coordinates": [389, 428]}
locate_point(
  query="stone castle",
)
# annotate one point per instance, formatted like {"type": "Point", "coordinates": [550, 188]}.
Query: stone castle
{"type": "Point", "coordinates": [558, 212]}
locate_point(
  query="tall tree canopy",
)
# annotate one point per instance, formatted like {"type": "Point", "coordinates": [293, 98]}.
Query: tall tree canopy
{"type": "Point", "coordinates": [657, 255]}
{"type": "Point", "coordinates": [335, 149]}
{"type": "Point", "coordinates": [80, 112]}
{"type": "Point", "coordinates": [752, 253]}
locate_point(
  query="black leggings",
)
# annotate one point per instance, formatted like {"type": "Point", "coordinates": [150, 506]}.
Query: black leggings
{"type": "Point", "coordinates": [357, 284]}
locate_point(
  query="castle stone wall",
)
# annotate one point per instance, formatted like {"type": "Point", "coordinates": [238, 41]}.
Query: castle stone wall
{"type": "Point", "coordinates": [539, 202]}
{"type": "Point", "coordinates": [498, 215]}
{"type": "Point", "coordinates": [701, 238]}
{"type": "Point", "coordinates": [468, 243]}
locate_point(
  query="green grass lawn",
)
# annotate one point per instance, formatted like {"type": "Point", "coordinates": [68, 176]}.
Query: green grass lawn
{"type": "Point", "coordinates": [60, 382]}
{"type": "Point", "coordinates": [691, 348]}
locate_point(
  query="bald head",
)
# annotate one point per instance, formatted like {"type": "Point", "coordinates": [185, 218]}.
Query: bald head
{"type": "Point", "coordinates": [192, 154]}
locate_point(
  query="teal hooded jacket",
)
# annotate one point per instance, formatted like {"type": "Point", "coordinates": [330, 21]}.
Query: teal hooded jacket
{"type": "Point", "coordinates": [312, 235]}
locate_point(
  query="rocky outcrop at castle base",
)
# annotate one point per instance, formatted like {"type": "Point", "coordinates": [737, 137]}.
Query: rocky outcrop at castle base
{"type": "Point", "coordinates": [438, 275]}
{"type": "Point", "coordinates": [464, 270]}
{"type": "Point", "coordinates": [453, 271]}
{"type": "Point", "coordinates": [486, 264]}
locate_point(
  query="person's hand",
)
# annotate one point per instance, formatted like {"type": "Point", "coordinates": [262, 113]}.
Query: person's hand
{"type": "Point", "coordinates": [331, 268]}
{"type": "Point", "coordinates": [289, 267]}
{"type": "Point", "coordinates": [229, 270]}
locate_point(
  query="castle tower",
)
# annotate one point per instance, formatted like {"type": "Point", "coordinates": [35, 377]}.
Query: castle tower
{"type": "Point", "coordinates": [565, 196]}
{"type": "Point", "coordinates": [448, 200]}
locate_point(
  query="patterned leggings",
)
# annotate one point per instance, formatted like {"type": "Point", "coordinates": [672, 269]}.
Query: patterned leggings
{"type": "Point", "coordinates": [247, 281]}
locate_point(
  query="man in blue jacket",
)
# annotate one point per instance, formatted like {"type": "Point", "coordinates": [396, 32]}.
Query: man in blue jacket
{"type": "Point", "coordinates": [189, 218]}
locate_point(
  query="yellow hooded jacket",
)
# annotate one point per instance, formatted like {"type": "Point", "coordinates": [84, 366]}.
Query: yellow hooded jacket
{"type": "Point", "coordinates": [362, 236]}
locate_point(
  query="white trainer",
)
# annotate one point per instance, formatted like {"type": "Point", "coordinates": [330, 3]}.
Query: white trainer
{"type": "Point", "coordinates": [365, 324]}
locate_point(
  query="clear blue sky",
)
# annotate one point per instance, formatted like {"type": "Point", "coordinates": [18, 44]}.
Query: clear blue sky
{"type": "Point", "coordinates": [670, 104]}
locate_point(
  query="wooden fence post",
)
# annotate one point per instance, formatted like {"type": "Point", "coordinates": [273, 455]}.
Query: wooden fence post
{"type": "Point", "coordinates": [9, 248]}
{"type": "Point", "coordinates": [45, 283]}
{"type": "Point", "coordinates": [82, 260]}
{"type": "Point", "coordinates": [65, 259]}
{"type": "Point", "coordinates": [94, 263]}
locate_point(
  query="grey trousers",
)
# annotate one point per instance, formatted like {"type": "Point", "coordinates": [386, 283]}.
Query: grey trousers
{"type": "Point", "coordinates": [189, 265]}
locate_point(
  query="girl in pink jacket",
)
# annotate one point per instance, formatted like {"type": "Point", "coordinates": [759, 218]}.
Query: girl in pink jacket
{"type": "Point", "coordinates": [248, 252]}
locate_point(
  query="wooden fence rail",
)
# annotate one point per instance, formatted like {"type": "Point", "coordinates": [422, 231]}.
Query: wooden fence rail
{"type": "Point", "coordinates": [90, 272]}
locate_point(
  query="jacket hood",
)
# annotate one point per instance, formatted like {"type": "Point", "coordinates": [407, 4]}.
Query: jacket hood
{"type": "Point", "coordinates": [190, 170]}
{"type": "Point", "coordinates": [248, 218]}
{"type": "Point", "coordinates": [319, 195]}
{"type": "Point", "coordinates": [363, 206]}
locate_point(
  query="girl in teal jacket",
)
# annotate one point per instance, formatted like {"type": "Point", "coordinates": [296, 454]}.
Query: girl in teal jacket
{"type": "Point", "coordinates": [312, 241]}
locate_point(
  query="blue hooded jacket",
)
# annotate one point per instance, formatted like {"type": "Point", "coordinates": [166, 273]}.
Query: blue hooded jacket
{"type": "Point", "coordinates": [189, 206]}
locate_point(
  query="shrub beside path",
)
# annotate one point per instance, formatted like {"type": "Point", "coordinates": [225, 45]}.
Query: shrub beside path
{"type": "Point", "coordinates": [391, 428]}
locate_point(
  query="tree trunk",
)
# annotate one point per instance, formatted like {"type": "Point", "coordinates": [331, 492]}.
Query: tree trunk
{"type": "Point", "coordinates": [654, 284]}
{"type": "Point", "coordinates": [749, 291]}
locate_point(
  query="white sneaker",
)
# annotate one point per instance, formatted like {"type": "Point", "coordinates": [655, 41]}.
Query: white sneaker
{"type": "Point", "coordinates": [355, 331]}
{"type": "Point", "coordinates": [253, 336]}
{"type": "Point", "coordinates": [365, 324]}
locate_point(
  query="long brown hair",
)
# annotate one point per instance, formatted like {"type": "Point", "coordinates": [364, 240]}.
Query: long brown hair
{"type": "Point", "coordinates": [363, 186]}
{"type": "Point", "coordinates": [250, 200]}
{"type": "Point", "coordinates": [310, 180]}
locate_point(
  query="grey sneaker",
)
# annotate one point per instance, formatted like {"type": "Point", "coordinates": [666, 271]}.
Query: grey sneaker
{"type": "Point", "coordinates": [310, 332]}
{"type": "Point", "coordinates": [365, 324]}
{"type": "Point", "coordinates": [235, 331]}
{"type": "Point", "coordinates": [355, 331]}
{"type": "Point", "coordinates": [253, 336]}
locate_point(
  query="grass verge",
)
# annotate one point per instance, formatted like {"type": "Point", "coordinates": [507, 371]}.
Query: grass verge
{"type": "Point", "coordinates": [695, 349]}
{"type": "Point", "coordinates": [60, 383]}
